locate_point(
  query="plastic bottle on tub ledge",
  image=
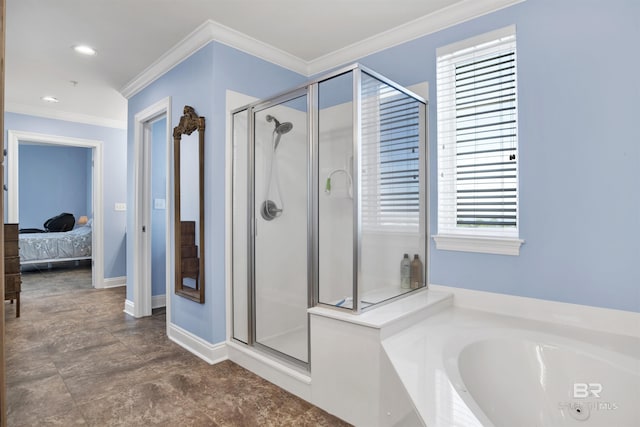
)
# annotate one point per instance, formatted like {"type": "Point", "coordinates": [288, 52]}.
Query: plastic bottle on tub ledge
{"type": "Point", "coordinates": [416, 272]}
{"type": "Point", "coordinates": [405, 272]}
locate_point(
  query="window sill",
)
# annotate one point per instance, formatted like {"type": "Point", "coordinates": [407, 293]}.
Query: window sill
{"type": "Point", "coordinates": [480, 244]}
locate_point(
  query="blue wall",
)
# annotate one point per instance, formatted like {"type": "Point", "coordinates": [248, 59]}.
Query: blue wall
{"type": "Point", "coordinates": [158, 216]}
{"type": "Point", "coordinates": [189, 83]}
{"type": "Point", "coordinates": [114, 177]}
{"type": "Point", "coordinates": [579, 145]}
{"type": "Point", "coordinates": [52, 180]}
{"type": "Point", "coordinates": [202, 81]}
{"type": "Point", "coordinates": [579, 153]}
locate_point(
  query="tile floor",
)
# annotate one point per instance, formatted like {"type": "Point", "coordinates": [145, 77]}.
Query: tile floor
{"type": "Point", "coordinates": [75, 359]}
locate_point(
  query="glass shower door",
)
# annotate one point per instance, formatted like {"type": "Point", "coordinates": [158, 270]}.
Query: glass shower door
{"type": "Point", "coordinates": [281, 187]}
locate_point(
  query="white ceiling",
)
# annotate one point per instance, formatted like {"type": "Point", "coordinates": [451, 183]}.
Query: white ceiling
{"type": "Point", "coordinates": [130, 35]}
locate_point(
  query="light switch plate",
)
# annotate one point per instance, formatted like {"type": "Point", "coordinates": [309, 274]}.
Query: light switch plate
{"type": "Point", "coordinates": [121, 207]}
{"type": "Point", "coordinates": [159, 204]}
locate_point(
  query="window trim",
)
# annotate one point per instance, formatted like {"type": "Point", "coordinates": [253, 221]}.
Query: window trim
{"type": "Point", "coordinates": [502, 241]}
{"type": "Point", "coordinates": [479, 244]}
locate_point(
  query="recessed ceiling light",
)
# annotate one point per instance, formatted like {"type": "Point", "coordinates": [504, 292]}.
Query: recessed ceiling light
{"type": "Point", "coordinates": [85, 50]}
{"type": "Point", "coordinates": [50, 99]}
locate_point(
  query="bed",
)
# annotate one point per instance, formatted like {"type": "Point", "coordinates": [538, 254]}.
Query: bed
{"type": "Point", "coordinates": [71, 245]}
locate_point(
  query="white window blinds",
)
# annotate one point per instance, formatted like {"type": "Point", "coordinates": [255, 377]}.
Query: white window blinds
{"type": "Point", "coordinates": [390, 158]}
{"type": "Point", "coordinates": [477, 136]}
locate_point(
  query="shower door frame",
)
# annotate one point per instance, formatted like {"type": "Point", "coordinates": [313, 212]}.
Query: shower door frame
{"type": "Point", "coordinates": [251, 218]}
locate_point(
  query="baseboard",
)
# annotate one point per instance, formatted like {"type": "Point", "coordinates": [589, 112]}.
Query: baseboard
{"type": "Point", "coordinates": [114, 282]}
{"type": "Point", "coordinates": [210, 353]}
{"type": "Point", "coordinates": [158, 301]}
{"type": "Point", "coordinates": [129, 307]}
{"type": "Point", "coordinates": [582, 316]}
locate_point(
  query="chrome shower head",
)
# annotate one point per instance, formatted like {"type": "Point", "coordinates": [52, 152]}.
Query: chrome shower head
{"type": "Point", "coordinates": [283, 128]}
{"type": "Point", "coordinates": [280, 128]}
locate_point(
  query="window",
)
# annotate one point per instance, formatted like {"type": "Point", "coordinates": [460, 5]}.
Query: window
{"type": "Point", "coordinates": [478, 144]}
{"type": "Point", "coordinates": [391, 173]}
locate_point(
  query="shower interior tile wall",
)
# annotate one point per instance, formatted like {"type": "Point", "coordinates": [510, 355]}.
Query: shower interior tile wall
{"type": "Point", "coordinates": [382, 253]}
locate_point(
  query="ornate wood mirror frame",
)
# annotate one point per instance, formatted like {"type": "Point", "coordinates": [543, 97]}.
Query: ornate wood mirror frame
{"type": "Point", "coordinates": [188, 164]}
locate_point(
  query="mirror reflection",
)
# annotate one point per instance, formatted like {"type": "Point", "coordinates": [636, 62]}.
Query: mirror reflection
{"type": "Point", "coordinates": [189, 209]}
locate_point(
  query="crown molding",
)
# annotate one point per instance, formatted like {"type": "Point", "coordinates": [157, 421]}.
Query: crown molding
{"type": "Point", "coordinates": [186, 47]}
{"type": "Point", "coordinates": [257, 48]}
{"type": "Point", "coordinates": [209, 31]}
{"type": "Point", "coordinates": [12, 107]}
{"type": "Point", "coordinates": [457, 13]}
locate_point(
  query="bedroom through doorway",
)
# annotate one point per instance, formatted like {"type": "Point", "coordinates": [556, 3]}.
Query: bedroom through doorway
{"type": "Point", "coordinates": [74, 187]}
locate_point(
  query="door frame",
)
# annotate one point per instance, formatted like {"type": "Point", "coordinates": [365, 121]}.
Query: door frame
{"type": "Point", "coordinates": [97, 241]}
{"type": "Point", "coordinates": [142, 301]}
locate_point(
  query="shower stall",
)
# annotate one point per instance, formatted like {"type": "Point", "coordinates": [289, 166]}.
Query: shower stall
{"type": "Point", "coordinates": [329, 194]}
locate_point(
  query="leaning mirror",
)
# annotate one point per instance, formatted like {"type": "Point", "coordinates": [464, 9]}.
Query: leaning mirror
{"type": "Point", "coordinates": [188, 163]}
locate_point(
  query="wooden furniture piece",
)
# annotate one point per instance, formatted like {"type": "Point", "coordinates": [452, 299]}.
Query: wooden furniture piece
{"type": "Point", "coordinates": [190, 262]}
{"type": "Point", "coordinates": [12, 278]}
{"type": "Point", "coordinates": [188, 166]}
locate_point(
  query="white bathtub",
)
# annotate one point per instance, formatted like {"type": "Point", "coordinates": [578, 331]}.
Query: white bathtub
{"type": "Point", "coordinates": [523, 378]}
{"type": "Point", "coordinates": [469, 368]}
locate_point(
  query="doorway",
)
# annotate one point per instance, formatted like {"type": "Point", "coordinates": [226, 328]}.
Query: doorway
{"type": "Point", "coordinates": [15, 138]}
{"type": "Point", "coordinates": [153, 203]}
{"type": "Point", "coordinates": [158, 199]}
